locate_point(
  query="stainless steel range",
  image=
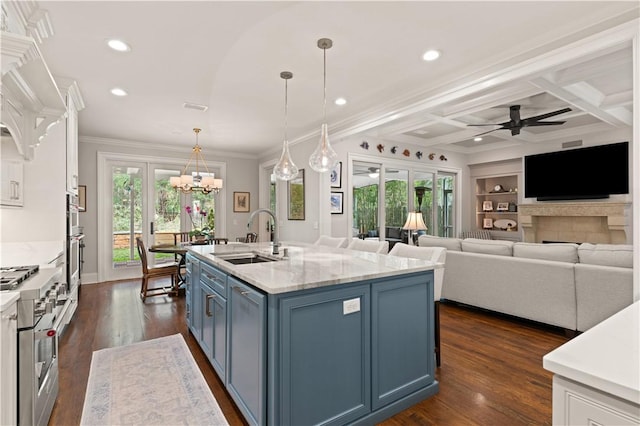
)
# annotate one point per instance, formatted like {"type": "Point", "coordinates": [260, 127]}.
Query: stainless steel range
{"type": "Point", "coordinates": [43, 299]}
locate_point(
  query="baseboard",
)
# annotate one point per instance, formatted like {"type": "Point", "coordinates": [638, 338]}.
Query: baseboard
{"type": "Point", "coordinates": [90, 278]}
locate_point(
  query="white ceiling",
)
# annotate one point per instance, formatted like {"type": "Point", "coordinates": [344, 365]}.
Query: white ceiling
{"type": "Point", "coordinates": [229, 55]}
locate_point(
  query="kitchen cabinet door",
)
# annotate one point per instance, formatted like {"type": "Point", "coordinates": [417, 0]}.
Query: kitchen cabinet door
{"type": "Point", "coordinates": [402, 317]}
{"type": "Point", "coordinates": [324, 366]}
{"type": "Point", "coordinates": [246, 369]}
{"type": "Point", "coordinates": [214, 328]}
{"type": "Point", "coordinates": [12, 183]}
{"type": "Point", "coordinates": [194, 308]}
{"type": "Point", "coordinates": [9, 366]}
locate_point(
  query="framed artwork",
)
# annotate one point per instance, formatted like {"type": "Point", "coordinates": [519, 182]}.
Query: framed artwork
{"type": "Point", "coordinates": [336, 176]}
{"type": "Point", "coordinates": [502, 207]}
{"type": "Point", "coordinates": [82, 198]}
{"type": "Point", "coordinates": [487, 223]}
{"type": "Point", "coordinates": [296, 196]}
{"type": "Point", "coordinates": [487, 206]}
{"type": "Point", "coordinates": [241, 202]}
{"type": "Point", "coordinates": [336, 202]}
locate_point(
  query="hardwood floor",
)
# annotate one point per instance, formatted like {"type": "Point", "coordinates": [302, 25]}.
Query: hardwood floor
{"type": "Point", "coordinates": [491, 371]}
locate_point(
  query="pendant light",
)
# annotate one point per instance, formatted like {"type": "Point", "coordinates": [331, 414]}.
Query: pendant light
{"type": "Point", "coordinates": [324, 158]}
{"type": "Point", "coordinates": [285, 169]}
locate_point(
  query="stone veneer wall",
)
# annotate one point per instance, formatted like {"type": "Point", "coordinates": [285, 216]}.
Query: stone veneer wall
{"type": "Point", "coordinates": [606, 223]}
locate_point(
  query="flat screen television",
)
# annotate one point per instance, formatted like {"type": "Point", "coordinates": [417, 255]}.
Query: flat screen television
{"type": "Point", "coordinates": [583, 173]}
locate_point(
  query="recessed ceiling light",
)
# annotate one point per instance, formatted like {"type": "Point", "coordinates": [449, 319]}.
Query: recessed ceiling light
{"type": "Point", "coordinates": [477, 139]}
{"type": "Point", "coordinates": [118, 45]}
{"type": "Point", "coordinates": [431, 55]}
{"type": "Point", "coordinates": [118, 92]}
{"type": "Point", "coordinates": [341, 101]}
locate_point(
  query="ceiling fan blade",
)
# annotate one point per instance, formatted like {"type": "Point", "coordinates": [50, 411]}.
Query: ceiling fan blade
{"type": "Point", "coordinates": [484, 133]}
{"type": "Point", "coordinates": [543, 123]}
{"type": "Point", "coordinates": [488, 124]}
{"type": "Point", "coordinates": [547, 115]}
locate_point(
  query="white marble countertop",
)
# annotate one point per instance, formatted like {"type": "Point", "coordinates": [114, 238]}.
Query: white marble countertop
{"type": "Point", "coordinates": [309, 266]}
{"type": "Point", "coordinates": [41, 253]}
{"type": "Point", "coordinates": [605, 357]}
{"type": "Point", "coordinates": [7, 298]}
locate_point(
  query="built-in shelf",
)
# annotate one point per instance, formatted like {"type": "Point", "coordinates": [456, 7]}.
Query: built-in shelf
{"type": "Point", "coordinates": [501, 194]}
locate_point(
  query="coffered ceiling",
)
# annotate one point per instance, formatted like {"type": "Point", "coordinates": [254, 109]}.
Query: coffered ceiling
{"type": "Point", "coordinates": [228, 56]}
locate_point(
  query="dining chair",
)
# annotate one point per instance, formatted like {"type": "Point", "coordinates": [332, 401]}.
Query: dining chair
{"type": "Point", "coordinates": [436, 255]}
{"type": "Point", "coordinates": [150, 273]}
{"type": "Point", "coordinates": [380, 247]}
{"type": "Point", "coordinates": [331, 241]}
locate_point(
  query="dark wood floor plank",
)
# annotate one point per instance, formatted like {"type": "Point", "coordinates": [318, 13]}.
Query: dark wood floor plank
{"type": "Point", "coordinates": [491, 371]}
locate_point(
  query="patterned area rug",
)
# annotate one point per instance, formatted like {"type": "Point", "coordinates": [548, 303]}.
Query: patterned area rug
{"type": "Point", "coordinates": [156, 382]}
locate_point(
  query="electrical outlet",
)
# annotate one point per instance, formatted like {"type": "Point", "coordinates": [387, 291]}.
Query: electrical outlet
{"type": "Point", "coordinates": [350, 306]}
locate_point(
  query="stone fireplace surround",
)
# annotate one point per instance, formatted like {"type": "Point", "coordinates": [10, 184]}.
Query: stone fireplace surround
{"type": "Point", "coordinates": [579, 222]}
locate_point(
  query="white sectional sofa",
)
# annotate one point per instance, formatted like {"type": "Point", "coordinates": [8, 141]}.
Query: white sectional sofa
{"type": "Point", "coordinates": [565, 285]}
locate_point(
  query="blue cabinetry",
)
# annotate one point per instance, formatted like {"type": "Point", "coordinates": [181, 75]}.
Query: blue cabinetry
{"type": "Point", "coordinates": [354, 353]}
{"type": "Point", "coordinates": [246, 380]}
{"type": "Point", "coordinates": [192, 280]}
{"type": "Point", "coordinates": [325, 360]}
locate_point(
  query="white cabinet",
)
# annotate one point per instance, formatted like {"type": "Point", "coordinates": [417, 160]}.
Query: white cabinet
{"type": "Point", "coordinates": [8, 365]}
{"type": "Point", "coordinates": [12, 183]}
{"type": "Point", "coordinates": [576, 404]}
{"type": "Point", "coordinates": [73, 99]}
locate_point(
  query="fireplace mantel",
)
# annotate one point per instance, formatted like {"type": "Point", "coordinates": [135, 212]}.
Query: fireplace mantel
{"type": "Point", "coordinates": [581, 222]}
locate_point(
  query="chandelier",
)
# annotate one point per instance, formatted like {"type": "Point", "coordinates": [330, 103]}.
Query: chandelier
{"type": "Point", "coordinates": [195, 182]}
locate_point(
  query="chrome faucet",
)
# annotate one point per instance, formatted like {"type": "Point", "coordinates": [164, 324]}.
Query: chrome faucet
{"type": "Point", "coordinates": [276, 245]}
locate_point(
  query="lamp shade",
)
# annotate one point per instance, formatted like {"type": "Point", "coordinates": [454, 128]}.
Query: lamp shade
{"type": "Point", "coordinates": [207, 181]}
{"type": "Point", "coordinates": [414, 222]}
{"type": "Point", "coordinates": [217, 184]}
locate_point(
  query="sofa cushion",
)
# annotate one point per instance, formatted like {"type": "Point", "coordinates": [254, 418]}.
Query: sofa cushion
{"type": "Point", "coordinates": [448, 243]}
{"type": "Point", "coordinates": [497, 247]}
{"type": "Point", "coordinates": [559, 252]}
{"type": "Point", "coordinates": [620, 255]}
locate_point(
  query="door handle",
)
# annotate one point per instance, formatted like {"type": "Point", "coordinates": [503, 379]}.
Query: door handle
{"type": "Point", "coordinates": [151, 228]}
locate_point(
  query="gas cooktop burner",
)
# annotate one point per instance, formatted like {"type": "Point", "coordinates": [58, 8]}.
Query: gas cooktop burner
{"type": "Point", "coordinates": [11, 276]}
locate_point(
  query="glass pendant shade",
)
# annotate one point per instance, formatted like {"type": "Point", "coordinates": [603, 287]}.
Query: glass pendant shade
{"type": "Point", "coordinates": [285, 169]}
{"type": "Point", "coordinates": [324, 158]}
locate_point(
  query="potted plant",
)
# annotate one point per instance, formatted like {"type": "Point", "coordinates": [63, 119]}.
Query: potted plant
{"type": "Point", "coordinates": [201, 230]}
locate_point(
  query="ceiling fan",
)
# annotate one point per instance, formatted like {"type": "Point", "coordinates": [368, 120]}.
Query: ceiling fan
{"type": "Point", "coordinates": [516, 123]}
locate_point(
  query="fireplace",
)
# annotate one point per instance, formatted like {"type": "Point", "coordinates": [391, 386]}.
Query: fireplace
{"type": "Point", "coordinates": [595, 222]}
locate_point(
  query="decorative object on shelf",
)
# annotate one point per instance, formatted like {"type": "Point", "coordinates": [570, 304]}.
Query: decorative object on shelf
{"type": "Point", "coordinates": [296, 197]}
{"type": "Point", "coordinates": [241, 202]}
{"type": "Point", "coordinates": [487, 223]}
{"type": "Point", "coordinates": [505, 224]}
{"type": "Point", "coordinates": [285, 169]}
{"type": "Point", "coordinates": [432, 155]}
{"type": "Point", "coordinates": [336, 202]}
{"type": "Point", "coordinates": [364, 145]}
{"type": "Point", "coordinates": [497, 188]}
{"type": "Point", "coordinates": [419, 154]}
{"type": "Point", "coordinates": [380, 147]}
{"type": "Point", "coordinates": [324, 158]}
{"type": "Point", "coordinates": [513, 207]}
{"type": "Point", "coordinates": [336, 175]}
{"type": "Point", "coordinates": [502, 207]}
{"type": "Point", "coordinates": [443, 158]}
{"type": "Point", "coordinates": [195, 182]}
{"type": "Point", "coordinates": [406, 153]}
{"type": "Point", "coordinates": [394, 149]}
{"type": "Point", "coordinates": [487, 206]}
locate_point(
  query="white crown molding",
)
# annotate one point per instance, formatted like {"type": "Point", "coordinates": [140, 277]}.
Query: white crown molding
{"type": "Point", "coordinates": [70, 86]}
{"type": "Point", "coordinates": [181, 149]}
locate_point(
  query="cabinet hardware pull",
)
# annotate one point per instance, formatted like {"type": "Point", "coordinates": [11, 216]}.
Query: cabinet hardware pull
{"type": "Point", "coordinates": [242, 292]}
{"type": "Point", "coordinates": [207, 299]}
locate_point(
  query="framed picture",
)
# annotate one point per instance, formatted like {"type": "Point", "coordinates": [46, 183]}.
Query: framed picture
{"type": "Point", "coordinates": [82, 198]}
{"type": "Point", "coordinates": [487, 223]}
{"type": "Point", "coordinates": [336, 202]}
{"type": "Point", "coordinates": [502, 207]}
{"type": "Point", "coordinates": [487, 206]}
{"type": "Point", "coordinates": [336, 176]}
{"type": "Point", "coordinates": [296, 197]}
{"type": "Point", "coordinates": [241, 202]}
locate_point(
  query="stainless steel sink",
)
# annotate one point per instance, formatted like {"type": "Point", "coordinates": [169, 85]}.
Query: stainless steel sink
{"type": "Point", "coordinates": [244, 258]}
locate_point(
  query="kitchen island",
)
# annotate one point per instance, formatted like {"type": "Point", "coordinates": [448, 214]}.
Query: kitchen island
{"type": "Point", "coordinates": [321, 336]}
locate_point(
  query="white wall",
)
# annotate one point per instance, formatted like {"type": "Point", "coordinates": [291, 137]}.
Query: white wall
{"type": "Point", "coordinates": [43, 216]}
{"type": "Point", "coordinates": [241, 176]}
